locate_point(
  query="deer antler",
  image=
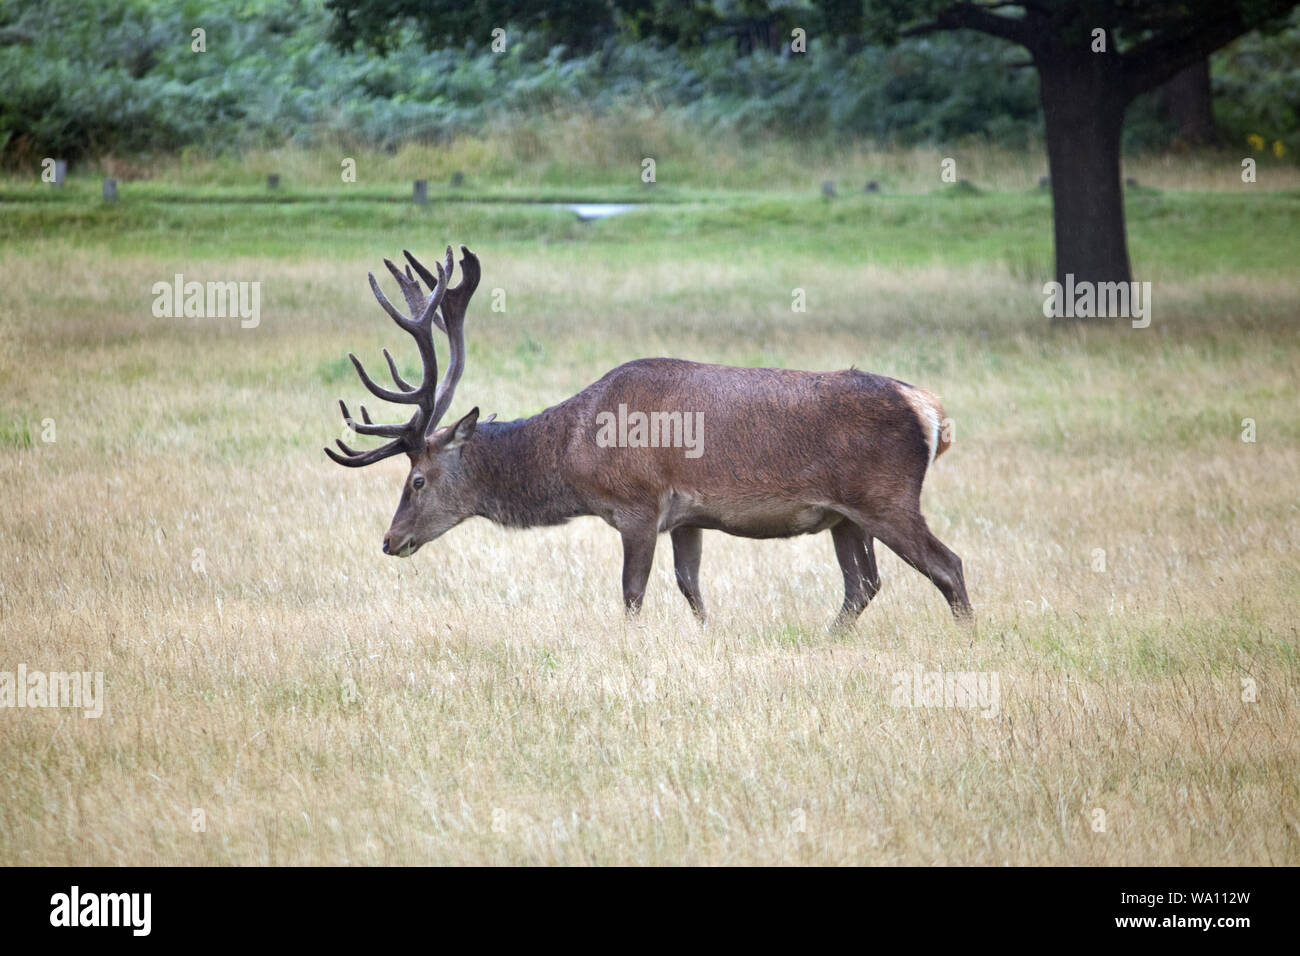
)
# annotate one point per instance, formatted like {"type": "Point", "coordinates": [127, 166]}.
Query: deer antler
{"type": "Point", "coordinates": [431, 401]}
{"type": "Point", "coordinates": [454, 305]}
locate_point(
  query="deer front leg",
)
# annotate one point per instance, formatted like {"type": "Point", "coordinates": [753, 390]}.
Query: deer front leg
{"type": "Point", "coordinates": [688, 543]}
{"type": "Point", "coordinates": [638, 557]}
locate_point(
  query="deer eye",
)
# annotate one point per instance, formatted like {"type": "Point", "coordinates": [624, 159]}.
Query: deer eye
{"type": "Point", "coordinates": [417, 482]}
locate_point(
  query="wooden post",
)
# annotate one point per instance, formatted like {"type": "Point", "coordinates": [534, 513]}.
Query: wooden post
{"type": "Point", "coordinates": [60, 171]}
{"type": "Point", "coordinates": [273, 181]}
{"type": "Point", "coordinates": [110, 190]}
{"type": "Point", "coordinates": [421, 194]}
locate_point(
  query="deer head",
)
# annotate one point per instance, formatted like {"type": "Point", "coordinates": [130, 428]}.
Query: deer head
{"type": "Point", "coordinates": [435, 496]}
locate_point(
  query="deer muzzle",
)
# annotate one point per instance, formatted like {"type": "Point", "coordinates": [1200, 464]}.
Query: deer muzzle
{"type": "Point", "coordinates": [404, 549]}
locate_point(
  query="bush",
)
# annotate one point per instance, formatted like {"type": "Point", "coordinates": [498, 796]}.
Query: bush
{"type": "Point", "coordinates": [83, 78]}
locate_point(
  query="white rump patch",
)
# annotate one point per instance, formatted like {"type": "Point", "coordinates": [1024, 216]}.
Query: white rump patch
{"type": "Point", "coordinates": [926, 407]}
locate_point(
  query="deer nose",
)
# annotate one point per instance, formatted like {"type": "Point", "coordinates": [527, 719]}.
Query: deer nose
{"type": "Point", "coordinates": [386, 551]}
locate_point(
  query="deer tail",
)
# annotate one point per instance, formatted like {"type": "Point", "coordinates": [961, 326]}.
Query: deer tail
{"type": "Point", "coordinates": [929, 410]}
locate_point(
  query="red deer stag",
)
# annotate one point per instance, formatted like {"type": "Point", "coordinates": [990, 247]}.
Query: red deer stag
{"type": "Point", "coordinates": [786, 453]}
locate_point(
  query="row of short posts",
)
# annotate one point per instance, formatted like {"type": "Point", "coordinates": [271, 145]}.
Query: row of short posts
{"type": "Point", "coordinates": [419, 192]}
{"type": "Point", "coordinates": [1044, 182]}
{"type": "Point", "coordinates": [61, 176]}
{"type": "Point", "coordinates": [420, 189]}
{"type": "Point", "coordinates": [828, 188]}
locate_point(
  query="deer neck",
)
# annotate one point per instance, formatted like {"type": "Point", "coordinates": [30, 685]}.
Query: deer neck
{"type": "Point", "coordinates": [518, 472]}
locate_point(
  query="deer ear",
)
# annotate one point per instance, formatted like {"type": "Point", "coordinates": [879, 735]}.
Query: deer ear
{"type": "Point", "coordinates": [463, 430]}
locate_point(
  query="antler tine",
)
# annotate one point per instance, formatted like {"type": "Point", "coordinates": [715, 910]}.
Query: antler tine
{"type": "Point", "coordinates": [393, 314]}
{"type": "Point", "coordinates": [367, 427]}
{"type": "Point", "coordinates": [397, 376]}
{"type": "Point", "coordinates": [410, 287]}
{"type": "Point", "coordinates": [356, 459]}
{"type": "Point", "coordinates": [409, 397]}
{"type": "Point", "coordinates": [423, 270]}
{"type": "Point", "coordinates": [438, 291]}
{"type": "Point", "coordinates": [457, 299]}
{"type": "Point", "coordinates": [429, 279]}
{"type": "Point", "coordinates": [437, 319]}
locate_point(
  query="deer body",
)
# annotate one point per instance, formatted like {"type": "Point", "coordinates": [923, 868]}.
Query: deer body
{"type": "Point", "coordinates": [773, 453]}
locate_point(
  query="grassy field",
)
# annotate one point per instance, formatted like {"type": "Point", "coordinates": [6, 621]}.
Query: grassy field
{"type": "Point", "coordinates": [1132, 561]}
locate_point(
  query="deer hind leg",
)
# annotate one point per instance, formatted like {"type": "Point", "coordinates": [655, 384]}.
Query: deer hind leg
{"type": "Point", "coordinates": [870, 574]}
{"type": "Point", "coordinates": [853, 549]}
{"type": "Point", "coordinates": [688, 544]}
{"type": "Point", "coordinates": [908, 536]}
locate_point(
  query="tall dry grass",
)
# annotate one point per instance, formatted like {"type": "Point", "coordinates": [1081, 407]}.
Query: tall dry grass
{"type": "Point", "coordinates": [486, 702]}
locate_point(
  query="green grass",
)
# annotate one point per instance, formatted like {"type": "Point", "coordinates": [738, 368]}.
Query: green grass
{"type": "Point", "coordinates": [15, 431]}
{"type": "Point", "coordinates": [1171, 234]}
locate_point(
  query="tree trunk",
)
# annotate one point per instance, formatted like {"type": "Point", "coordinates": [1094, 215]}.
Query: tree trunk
{"type": "Point", "coordinates": [1083, 108]}
{"type": "Point", "coordinates": [1187, 99]}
